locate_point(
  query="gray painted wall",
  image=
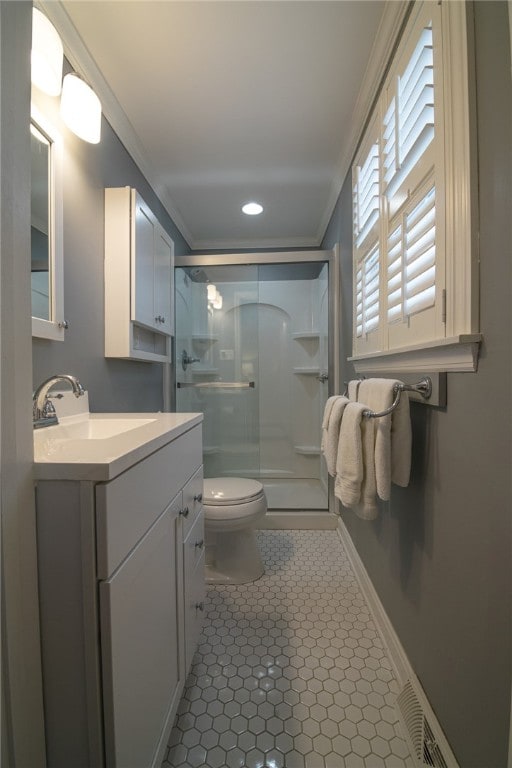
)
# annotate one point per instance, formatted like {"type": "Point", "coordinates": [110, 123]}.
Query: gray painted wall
{"type": "Point", "coordinates": [114, 385]}
{"type": "Point", "coordinates": [439, 554]}
{"type": "Point", "coordinates": [22, 697]}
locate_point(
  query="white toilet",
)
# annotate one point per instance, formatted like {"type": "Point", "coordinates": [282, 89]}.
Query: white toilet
{"type": "Point", "coordinates": [232, 506]}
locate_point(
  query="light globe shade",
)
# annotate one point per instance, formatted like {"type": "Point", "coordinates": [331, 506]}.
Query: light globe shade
{"type": "Point", "coordinates": [212, 291]}
{"type": "Point", "coordinates": [217, 304]}
{"type": "Point", "coordinates": [46, 56]}
{"type": "Point", "coordinates": [80, 109]}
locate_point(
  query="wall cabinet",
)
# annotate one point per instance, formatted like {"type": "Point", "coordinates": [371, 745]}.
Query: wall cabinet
{"type": "Point", "coordinates": [121, 576]}
{"type": "Point", "coordinates": [139, 279]}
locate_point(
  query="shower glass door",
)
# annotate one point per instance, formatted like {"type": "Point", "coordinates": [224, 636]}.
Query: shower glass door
{"type": "Point", "coordinates": [217, 366]}
{"type": "Point", "coordinates": [252, 355]}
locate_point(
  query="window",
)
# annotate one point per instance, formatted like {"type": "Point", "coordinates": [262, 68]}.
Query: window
{"type": "Point", "coordinates": [414, 265]}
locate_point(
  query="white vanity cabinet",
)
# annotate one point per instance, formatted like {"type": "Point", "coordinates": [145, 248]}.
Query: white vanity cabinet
{"type": "Point", "coordinates": [121, 579]}
{"type": "Point", "coordinates": [139, 279]}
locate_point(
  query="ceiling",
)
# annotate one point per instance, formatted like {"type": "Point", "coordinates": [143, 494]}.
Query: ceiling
{"type": "Point", "coordinates": [225, 102]}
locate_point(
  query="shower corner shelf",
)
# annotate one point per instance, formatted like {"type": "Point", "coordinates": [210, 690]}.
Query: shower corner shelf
{"type": "Point", "coordinates": [307, 371]}
{"type": "Point", "coordinates": [307, 450]}
{"type": "Point", "coordinates": [299, 335]}
{"type": "Point", "coordinates": [204, 338]}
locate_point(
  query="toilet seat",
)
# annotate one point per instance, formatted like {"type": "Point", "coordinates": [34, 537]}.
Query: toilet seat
{"type": "Point", "coordinates": [235, 501]}
{"type": "Point", "coordinates": [228, 491]}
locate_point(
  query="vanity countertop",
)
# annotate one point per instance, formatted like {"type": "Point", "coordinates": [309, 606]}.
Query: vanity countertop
{"type": "Point", "coordinates": [93, 447]}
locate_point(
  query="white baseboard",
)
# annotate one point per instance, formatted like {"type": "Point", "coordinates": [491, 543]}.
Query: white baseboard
{"type": "Point", "coordinates": [298, 520]}
{"type": "Point", "coordinates": [400, 663]}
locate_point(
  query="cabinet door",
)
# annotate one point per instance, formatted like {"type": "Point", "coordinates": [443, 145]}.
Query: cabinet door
{"type": "Point", "coordinates": [164, 283]}
{"type": "Point", "coordinates": [142, 263]}
{"type": "Point", "coordinates": [140, 644]}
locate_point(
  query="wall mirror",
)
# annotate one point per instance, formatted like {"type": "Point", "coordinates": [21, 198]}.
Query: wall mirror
{"type": "Point", "coordinates": [46, 230]}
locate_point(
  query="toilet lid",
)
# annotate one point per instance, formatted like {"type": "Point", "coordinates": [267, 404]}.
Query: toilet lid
{"type": "Point", "coordinates": [221, 491]}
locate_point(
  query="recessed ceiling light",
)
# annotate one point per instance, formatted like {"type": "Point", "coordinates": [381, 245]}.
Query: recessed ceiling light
{"type": "Point", "coordinates": [252, 209]}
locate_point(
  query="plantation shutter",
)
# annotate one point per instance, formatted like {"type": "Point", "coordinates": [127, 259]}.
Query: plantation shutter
{"type": "Point", "coordinates": [409, 122]}
{"type": "Point", "coordinates": [366, 211]}
{"type": "Point", "coordinates": [398, 235]}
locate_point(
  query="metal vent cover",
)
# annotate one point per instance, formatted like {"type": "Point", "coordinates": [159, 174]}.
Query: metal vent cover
{"type": "Point", "coordinates": [420, 734]}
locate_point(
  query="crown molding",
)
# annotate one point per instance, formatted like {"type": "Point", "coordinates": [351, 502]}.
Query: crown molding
{"type": "Point", "coordinates": [83, 63]}
{"type": "Point", "coordinates": [391, 22]}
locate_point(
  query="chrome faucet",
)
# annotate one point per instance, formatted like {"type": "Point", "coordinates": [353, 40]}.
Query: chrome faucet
{"type": "Point", "coordinates": [43, 410]}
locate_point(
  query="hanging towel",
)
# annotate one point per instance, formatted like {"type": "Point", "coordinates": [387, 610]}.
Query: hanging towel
{"type": "Point", "coordinates": [330, 449]}
{"type": "Point", "coordinates": [353, 389]}
{"type": "Point", "coordinates": [367, 508]}
{"type": "Point", "coordinates": [325, 420]}
{"type": "Point", "coordinates": [349, 465]}
{"type": "Point", "coordinates": [392, 434]}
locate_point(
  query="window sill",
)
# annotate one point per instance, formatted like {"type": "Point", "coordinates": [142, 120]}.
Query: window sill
{"type": "Point", "coordinates": [458, 353]}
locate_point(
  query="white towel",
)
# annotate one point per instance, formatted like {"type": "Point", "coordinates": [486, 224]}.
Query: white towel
{"type": "Point", "coordinates": [392, 434]}
{"type": "Point", "coordinates": [330, 448]}
{"type": "Point", "coordinates": [327, 410]}
{"type": "Point", "coordinates": [325, 422]}
{"type": "Point", "coordinates": [353, 389]}
{"type": "Point", "coordinates": [367, 508]}
{"type": "Point", "coordinates": [349, 465]}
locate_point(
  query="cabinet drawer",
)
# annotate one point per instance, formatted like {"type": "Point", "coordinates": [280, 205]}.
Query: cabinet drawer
{"type": "Point", "coordinates": [193, 547]}
{"type": "Point", "coordinates": [127, 506]}
{"type": "Point", "coordinates": [195, 592]}
{"type": "Point", "coordinates": [192, 500]}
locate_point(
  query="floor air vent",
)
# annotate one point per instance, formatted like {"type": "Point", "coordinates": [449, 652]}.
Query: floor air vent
{"type": "Point", "coordinates": [430, 748]}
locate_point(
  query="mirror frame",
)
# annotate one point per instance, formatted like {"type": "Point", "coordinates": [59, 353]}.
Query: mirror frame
{"type": "Point", "coordinates": [53, 328]}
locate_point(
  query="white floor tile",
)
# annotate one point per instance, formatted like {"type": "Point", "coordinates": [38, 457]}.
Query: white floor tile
{"type": "Point", "coordinates": [290, 671]}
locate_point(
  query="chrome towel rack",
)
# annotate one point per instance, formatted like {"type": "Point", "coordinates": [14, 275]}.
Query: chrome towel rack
{"type": "Point", "coordinates": [422, 387]}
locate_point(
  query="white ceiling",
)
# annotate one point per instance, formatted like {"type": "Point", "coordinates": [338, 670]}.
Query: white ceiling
{"type": "Point", "coordinates": [225, 102]}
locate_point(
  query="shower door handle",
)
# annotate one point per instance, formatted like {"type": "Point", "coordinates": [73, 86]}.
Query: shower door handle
{"type": "Point", "coordinates": [323, 377]}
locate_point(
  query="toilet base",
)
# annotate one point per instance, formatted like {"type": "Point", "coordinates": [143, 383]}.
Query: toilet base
{"type": "Point", "coordinates": [232, 557]}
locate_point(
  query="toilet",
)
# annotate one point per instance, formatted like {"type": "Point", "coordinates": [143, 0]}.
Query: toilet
{"type": "Point", "coordinates": [232, 507]}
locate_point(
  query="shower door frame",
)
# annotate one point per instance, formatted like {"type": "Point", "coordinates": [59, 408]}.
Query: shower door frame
{"type": "Point", "coordinates": [330, 257]}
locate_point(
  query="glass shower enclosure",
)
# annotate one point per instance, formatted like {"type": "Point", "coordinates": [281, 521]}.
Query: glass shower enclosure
{"type": "Point", "coordinates": [252, 354]}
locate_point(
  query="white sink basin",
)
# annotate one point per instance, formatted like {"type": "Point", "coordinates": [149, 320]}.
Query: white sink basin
{"type": "Point", "coordinates": [94, 429]}
{"type": "Point", "coordinates": [99, 446]}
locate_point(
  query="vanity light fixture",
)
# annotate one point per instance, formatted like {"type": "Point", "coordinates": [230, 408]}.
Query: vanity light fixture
{"type": "Point", "coordinates": [46, 56]}
{"type": "Point", "coordinates": [80, 108]}
{"type": "Point", "coordinates": [252, 209]}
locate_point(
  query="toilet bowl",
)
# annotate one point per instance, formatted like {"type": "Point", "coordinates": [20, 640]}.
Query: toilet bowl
{"type": "Point", "coordinates": [232, 506]}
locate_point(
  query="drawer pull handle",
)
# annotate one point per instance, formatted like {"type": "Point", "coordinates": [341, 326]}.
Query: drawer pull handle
{"type": "Point", "coordinates": [199, 606]}
{"type": "Point", "coordinates": [184, 512]}
{"type": "Point", "coordinates": [200, 544]}
{"type": "Point", "coordinates": [198, 497]}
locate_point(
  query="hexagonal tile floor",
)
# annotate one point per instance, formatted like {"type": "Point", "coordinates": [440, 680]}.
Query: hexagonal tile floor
{"type": "Point", "coordinates": [290, 671]}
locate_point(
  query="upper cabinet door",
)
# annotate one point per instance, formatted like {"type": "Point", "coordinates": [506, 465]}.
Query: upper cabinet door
{"type": "Point", "coordinates": [143, 256]}
{"type": "Point", "coordinates": [163, 280]}
{"type": "Point", "coordinates": [139, 280]}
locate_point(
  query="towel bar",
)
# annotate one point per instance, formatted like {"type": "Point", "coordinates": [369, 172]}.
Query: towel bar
{"type": "Point", "coordinates": [423, 387]}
